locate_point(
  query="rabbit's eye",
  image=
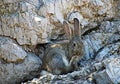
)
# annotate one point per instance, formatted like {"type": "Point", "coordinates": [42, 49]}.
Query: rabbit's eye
{"type": "Point", "coordinates": [74, 44]}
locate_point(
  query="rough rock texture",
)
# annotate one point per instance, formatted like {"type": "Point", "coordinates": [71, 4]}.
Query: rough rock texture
{"type": "Point", "coordinates": [27, 25]}
{"type": "Point", "coordinates": [36, 21]}
{"type": "Point", "coordinates": [94, 43]}
{"type": "Point", "coordinates": [11, 73]}
{"type": "Point", "coordinates": [16, 64]}
{"type": "Point", "coordinates": [11, 52]}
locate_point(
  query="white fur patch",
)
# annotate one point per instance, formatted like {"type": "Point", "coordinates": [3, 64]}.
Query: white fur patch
{"type": "Point", "coordinates": [65, 61]}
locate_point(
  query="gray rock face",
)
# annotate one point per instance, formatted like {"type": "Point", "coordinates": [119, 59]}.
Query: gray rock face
{"type": "Point", "coordinates": [107, 51]}
{"type": "Point", "coordinates": [10, 51]}
{"type": "Point", "coordinates": [111, 73]}
{"type": "Point", "coordinates": [36, 21]}
{"type": "Point", "coordinates": [110, 27]}
{"type": "Point", "coordinates": [96, 41]}
{"type": "Point", "coordinates": [15, 73]}
{"type": "Point", "coordinates": [16, 65]}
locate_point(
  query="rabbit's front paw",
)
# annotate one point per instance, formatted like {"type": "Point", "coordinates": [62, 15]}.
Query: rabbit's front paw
{"type": "Point", "coordinates": [74, 62]}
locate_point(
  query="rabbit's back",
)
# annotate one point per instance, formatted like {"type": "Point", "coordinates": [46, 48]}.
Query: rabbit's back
{"type": "Point", "coordinates": [55, 60]}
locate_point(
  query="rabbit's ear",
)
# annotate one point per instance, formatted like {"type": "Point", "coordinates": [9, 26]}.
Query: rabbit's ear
{"type": "Point", "coordinates": [67, 29]}
{"type": "Point", "coordinates": [77, 29]}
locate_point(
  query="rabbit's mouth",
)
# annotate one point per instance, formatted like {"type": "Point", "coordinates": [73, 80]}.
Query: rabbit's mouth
{"type": "Point", "coordinates": [77, 54]}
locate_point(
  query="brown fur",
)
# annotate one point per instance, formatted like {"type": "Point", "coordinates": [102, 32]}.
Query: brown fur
{"type": "Point", "coordinates": [56, 60]}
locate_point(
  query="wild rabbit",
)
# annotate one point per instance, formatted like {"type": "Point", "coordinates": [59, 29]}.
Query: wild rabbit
{"type": "Point", "coordinates": [60, 60]}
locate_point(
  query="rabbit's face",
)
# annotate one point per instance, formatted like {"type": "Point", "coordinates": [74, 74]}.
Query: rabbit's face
{"type": "Point", "coordinates": [76, 47]}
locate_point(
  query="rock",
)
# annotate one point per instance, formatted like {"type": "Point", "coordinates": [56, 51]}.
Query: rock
{"type": "Point", "coordinates": [16, 73]}
{"type": "Point", "coordinates": [56, 79]}
{"type": "Point", "coordinates": [10, 52]}
{"type": "Point", "coordinates": [94, 43]}
{"type": "Point", "coordinates": [33, 22]}
{"type": "Point", "coordinates": [107, 51]}
{"type": "Point", "coordinates": [110, 27]}
{"type": "Point", "coordinates": [73, 15]}
{"type": "Point", "coordinates": [111, 73]}
{"type": "Point", "coordinates": [16, 65]}
{"type": "Point", "coordinates": [26, 27]}
{"type": "Point", "coordinates": [102, 77]}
